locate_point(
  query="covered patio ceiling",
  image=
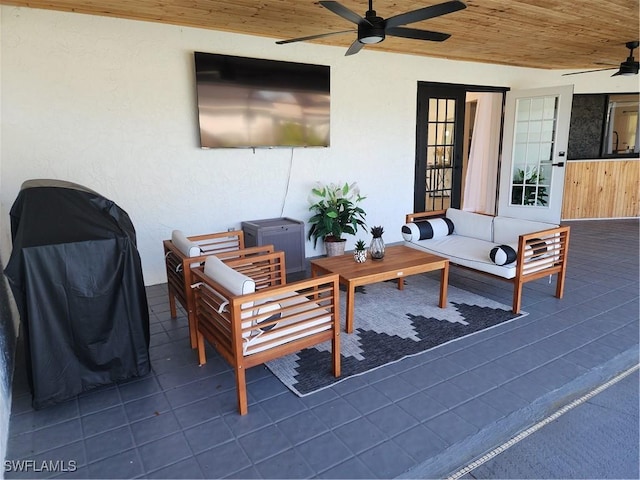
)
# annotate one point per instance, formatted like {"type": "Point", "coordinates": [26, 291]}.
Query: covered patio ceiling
{"type": "Point", "coordinates": [547, 34]}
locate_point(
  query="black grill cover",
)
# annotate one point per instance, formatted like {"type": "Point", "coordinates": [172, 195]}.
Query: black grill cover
{"type": "Point", "coordinates": [76, 276]}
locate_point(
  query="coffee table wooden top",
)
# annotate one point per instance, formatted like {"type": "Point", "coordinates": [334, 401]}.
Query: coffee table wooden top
{"type": "Point", "coordinates": [399, 261]}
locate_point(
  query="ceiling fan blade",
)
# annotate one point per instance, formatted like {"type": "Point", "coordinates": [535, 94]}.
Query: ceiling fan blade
{"type": "Point", "coordinates": [417, 34]}
{"type": "Point", "coordinates": [313, 37]}
{"type": "Point", "coordinates": [425, 13]}
{"type": "Point", "coordinates": [354, 48]}
{"type": "Point", "coordinates": [589, 71]}
{"type": "Point", "coordinates": [344, 12]}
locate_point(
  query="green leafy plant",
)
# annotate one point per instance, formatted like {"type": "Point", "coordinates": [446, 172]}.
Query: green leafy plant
{"type": "Point", "coordinates": [335, 211]}
{"type": "Point", "coordinates": [525, 185]}
{"type": "Point", "coordinates": [360, 246]}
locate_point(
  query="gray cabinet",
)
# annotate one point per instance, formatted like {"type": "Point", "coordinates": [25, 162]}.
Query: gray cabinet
{"type": "Point", "coordinates": [284, 234]}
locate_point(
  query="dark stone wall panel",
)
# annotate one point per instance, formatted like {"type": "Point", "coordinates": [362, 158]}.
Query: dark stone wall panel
{"type": "Point", "coordinates": [587, 122]}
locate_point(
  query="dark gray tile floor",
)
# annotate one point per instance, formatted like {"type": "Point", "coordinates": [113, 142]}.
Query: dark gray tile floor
{"type": "Point", "coordinates": [424, 416]}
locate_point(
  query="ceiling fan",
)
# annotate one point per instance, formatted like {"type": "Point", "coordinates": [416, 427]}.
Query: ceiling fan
{"type": "Point", "coordinates": [628, 67]}
{"type": "Point", "coordinates": [373, 29]}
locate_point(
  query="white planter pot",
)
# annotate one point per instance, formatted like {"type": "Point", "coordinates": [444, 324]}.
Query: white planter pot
{"type": "Point", "coordinates": [360, 256]}
{"type": "Point", "coordinates": [335, 248]}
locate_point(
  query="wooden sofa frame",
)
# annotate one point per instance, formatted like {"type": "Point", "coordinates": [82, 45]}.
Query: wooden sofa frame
{"type": "Point", "coordinates": [527, 268]}
{"type": "Point", "coordinates": [224, 320]}
{"type": "Point", "coordinates": [221, 244]}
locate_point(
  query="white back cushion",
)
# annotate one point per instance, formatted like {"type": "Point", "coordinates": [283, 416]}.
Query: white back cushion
{"type": "Point", "coordinates": [237, 283]}
{"type": "Point", "coordinates": [469, 224]}
{"type": "Point", "coordinates": [183, 244]}
{"type": "Point", "coordinates": [507, 230]}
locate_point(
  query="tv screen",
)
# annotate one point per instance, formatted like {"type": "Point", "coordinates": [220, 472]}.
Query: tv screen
{"type": "Point", "coordinates": [252, 102]}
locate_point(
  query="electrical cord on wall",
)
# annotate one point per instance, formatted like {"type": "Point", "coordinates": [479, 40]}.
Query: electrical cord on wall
{"type": "Point", "coordinates": [286, 190]}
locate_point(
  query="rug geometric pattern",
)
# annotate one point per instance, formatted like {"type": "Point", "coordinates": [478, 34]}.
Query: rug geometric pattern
{"type": "Point", "coordinates": [390, 325]}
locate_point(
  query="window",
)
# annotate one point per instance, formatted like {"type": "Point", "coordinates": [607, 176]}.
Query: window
{"type": "Point", "coordinates": [604, 126]}
{"type": "Point", "coordinates": [621, 134]}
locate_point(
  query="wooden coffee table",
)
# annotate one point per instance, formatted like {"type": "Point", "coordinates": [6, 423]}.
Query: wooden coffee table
{"type": "Point", "coordinates": [399, 261]}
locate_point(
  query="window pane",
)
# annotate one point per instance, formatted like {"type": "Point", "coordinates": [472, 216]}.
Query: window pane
{"type": "Point", "coordinates": [431, 155]}
{"type": "Point", "coordinates": [547, 131]}
{"type": "Point", "coordinates": [537, 109]}
{"type": "Point", "coordinates": [442, 110]}
{"type": "Point", "coordinates": [433, 109]}
{"type": "Point", "coordinates": [448, 134]}
{"type": "Point", "coordinates": [431, 135]}
{"type": "Point", "coordinates": [550, 105]}
{"type": "Point", "coordinates": [534, 131]}
{"type": "Point", "coordinates": [522, 109]}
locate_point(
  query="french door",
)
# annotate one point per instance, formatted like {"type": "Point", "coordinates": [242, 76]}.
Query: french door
{"type": "Point", "coordinates": [439, 134]}
{"type": "Point", "coordinates": [535, 139]}
{"type": "Point", "coordinates": [441, 142]}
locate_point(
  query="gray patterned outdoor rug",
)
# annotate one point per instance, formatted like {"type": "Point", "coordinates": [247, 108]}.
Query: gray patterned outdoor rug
{"type": "Point", "coordinates": [390, 325]}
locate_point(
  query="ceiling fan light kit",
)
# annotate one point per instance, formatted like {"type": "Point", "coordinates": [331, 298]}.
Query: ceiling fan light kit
{"type": "Point", "coordinates": [374, 29]}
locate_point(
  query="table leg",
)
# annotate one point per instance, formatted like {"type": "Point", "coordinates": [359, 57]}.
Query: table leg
{"type": "Point", "coordinates": [314, 274]}
{"type": "Point", "coordinates": [444, 283]}
{"type": "Point", "coordinates": [351, 293]}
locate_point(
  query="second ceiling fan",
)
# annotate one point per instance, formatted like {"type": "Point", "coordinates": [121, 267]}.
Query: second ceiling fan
{"type": "Point", "coordinates": [373, 29]}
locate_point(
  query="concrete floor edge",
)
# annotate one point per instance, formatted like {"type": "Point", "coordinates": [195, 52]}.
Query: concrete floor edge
{"type": "Point", "coordinates": [463, 453]}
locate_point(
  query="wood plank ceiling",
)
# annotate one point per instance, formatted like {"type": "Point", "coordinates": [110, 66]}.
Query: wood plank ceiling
{"type": "Point", "coordinates": [548, 34]}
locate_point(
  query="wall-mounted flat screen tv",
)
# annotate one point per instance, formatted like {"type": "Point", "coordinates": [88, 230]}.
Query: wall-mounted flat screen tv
{"type": "Point", "coordinates": [252, 103]}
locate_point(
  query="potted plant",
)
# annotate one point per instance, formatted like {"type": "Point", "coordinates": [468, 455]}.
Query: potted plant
{"type": "Point", "coordinates": [335, 212]}
{"type": "Point", "coordinates": [360, 252]}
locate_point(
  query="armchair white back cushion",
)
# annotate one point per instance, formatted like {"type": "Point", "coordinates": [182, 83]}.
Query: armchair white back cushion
{"type": "Point", "coordinates": [182, 243]}
{"type": "Point", "coordinates": [237, 283]}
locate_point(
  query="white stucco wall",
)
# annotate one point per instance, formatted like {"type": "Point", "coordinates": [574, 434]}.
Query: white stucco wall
{"type": "Point", "coordinates": [110, 104]}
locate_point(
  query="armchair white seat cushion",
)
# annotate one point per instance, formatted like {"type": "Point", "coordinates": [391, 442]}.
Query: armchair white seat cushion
{"type": "Point", "coordinates": [285, 318]}
{"type": "Point", "coordinates": [262, 327]}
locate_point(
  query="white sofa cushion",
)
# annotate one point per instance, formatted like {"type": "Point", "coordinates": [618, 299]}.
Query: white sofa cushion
{"type": "Point", "coordinates": [466, 251]}
{"type": "Point", "coordinates": [506, 230]}
{"type": "Point", "coordinates": [474, 225]}
{"type": "Point", "coordinates": [425, 229]}
{"type": "Point", "coordinates": [182, 243]}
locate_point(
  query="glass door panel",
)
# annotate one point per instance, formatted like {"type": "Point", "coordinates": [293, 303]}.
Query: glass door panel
{"type": "Point", "coordinates": [440, 150]}
{"type": "Point", "coordinates": [534, 137]}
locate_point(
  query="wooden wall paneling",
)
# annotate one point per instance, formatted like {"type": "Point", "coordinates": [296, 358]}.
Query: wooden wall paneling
{"type": "Point", "coordinates": [601, 189]}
